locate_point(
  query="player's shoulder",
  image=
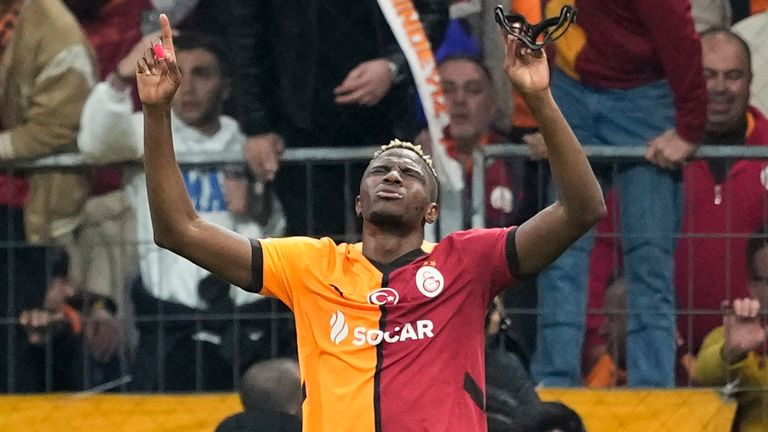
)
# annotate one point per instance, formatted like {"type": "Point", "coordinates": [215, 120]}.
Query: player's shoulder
{"type": "Point", "coordinates": [318, 248]}
{"type": "Point", "coordinates": [475, 235]}
{"type": "Point", "coordinates": [310, 244]}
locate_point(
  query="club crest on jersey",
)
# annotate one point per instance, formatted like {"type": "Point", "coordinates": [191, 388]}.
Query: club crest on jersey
{"type": "Point", "coordinates": [383, 296]}
{"type": "Point", "coordinates": [429, 281]}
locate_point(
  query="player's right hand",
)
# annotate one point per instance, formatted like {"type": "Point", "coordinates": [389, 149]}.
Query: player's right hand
{"type": "Point", "coordinates": [158, 78]}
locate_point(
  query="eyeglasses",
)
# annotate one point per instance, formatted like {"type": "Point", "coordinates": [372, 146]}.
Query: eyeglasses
{"type": "Point", "coordinates": [551, 28]}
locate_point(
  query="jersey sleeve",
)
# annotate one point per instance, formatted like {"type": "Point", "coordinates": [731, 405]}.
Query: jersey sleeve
{"type": "Point", "coordinates": [280, 265]}
{"type": "Point", "coordinates": [494, 251]}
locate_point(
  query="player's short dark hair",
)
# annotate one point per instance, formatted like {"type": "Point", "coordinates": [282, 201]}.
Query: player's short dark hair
{"type": "Point", "coordinates": [190, 40]}
{"type": "Point", "coordinates": [757, 242]}
{"type": "Point", "coordinates": [272, 385]}
{"type": "Point", "coordinates": [397, 144]}
{"type": "Point", "coordinates": [713, 31]}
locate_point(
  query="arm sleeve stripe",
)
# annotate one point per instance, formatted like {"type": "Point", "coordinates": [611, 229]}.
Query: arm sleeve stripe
{"type": "Point", "coordinates": [513, 261]}
{"type": "Point", "coordinates": [257, 266]}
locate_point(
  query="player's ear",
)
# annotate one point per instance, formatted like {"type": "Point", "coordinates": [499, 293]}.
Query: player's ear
{"type": "Point", "coordinates": [433, 211]}
{"type": "Point", "coordinates": [358, 209]}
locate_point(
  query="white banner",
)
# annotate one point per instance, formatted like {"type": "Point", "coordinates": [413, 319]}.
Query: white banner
{"type": "Point", "coordinates": [404, 21]}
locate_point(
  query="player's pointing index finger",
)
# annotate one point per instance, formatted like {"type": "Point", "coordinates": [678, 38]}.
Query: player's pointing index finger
{"type": "Point", "coordinates": [165, 28]}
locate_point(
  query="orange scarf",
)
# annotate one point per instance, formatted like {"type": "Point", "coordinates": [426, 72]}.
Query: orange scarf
{"type": "Point", "coordinates": [757, 6]}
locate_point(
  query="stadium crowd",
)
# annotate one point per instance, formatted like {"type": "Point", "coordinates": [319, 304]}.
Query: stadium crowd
{"type": "Point", "coordinates": [670, 289]}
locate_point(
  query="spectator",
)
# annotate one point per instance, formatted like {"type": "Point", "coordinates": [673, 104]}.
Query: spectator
{"type": "Point", "coordinates": [512, 403]}
{"type": "Point", "coordinates": [752, 29]}
{"type": "Point", "coordinates": [46, 75]}
{"type": "Point", "coordinates": [472, 106]}
{"type": "Point", "coordinates": [609, 369]}
{"type": "Point", "coordinates": [106, 236]}
{"type": "Point", "coordinates": [724, 201]}
{"type": "Point", "coordinates": [734, 354]}
{"type": "Point", "coordinates": [270, 392]}
{"type": "Point", "coordinates": [351, 91]}
{"type": "Point", "coordinates": [170, 285]}
{"type": "Point", "coordinates": [620, 82]}
{"type": "Point", "coordinates": [73, 340]}
{"type": "Point", "coordinates": [106, 252]}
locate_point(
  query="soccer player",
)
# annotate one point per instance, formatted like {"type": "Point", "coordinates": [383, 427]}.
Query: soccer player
{"type": "Point", "coordinates": [390, 330]}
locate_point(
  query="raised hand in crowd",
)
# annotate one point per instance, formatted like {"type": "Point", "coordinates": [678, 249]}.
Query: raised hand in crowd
{"type": "Point", "coordinates": [744, 330]}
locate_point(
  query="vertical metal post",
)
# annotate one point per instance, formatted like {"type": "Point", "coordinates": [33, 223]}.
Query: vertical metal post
{"type": "Point", "coordinates": [478, 188]}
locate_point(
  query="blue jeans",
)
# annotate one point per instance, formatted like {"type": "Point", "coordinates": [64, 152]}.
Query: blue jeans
{"type": "Point", "coordinates": [651, 206]}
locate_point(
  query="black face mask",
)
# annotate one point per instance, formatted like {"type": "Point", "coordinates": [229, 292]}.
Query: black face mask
{"type": "Point", "coordinates": [548, 30]}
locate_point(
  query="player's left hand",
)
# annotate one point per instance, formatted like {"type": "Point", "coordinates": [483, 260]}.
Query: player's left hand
{"type": "Point", "coordinates": [365, 85]}
{"type": "Point", "coordinates": [526, 69]}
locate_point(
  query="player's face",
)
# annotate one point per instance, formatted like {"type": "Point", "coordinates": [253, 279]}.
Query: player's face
{"type": "Point", "coordinates": [468, 96]}
{"type": "Point", "coordinates": [728, 79]}
{"type": "Point", "coordinates": [201, 95]}
{"type": "Point", "coordinates": [758, 284]}
{"type": "Point", "coordinates": [396, 189]}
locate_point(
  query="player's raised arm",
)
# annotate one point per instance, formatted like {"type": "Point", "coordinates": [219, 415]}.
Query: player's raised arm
{"type": "Point", "coordinates": [175, 222]}
{"type": "Point", "coordinates": [545, 236]}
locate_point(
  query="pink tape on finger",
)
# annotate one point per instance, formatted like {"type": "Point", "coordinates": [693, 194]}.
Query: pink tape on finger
{"type": "Point", "coordinates": [159, 51]}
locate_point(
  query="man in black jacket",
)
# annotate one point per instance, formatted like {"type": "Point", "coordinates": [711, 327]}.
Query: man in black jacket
{"type": "Point", "coordinates": [320, 73]}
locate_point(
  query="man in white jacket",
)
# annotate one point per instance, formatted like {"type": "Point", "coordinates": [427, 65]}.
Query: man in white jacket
{"type": "Point", "coordinates": [111, 131]}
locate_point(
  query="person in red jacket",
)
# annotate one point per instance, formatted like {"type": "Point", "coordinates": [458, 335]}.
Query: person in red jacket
{"type": "Point", "coordinates": [628, 73]}
{"type": "Point", "coordinates": [724, 202]}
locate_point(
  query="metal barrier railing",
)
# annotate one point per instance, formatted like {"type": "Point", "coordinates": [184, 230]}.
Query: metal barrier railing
{"type": "Point", "coordinates": [346, 156]}
{"type": "Point", "coordinates": [594, 153]}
